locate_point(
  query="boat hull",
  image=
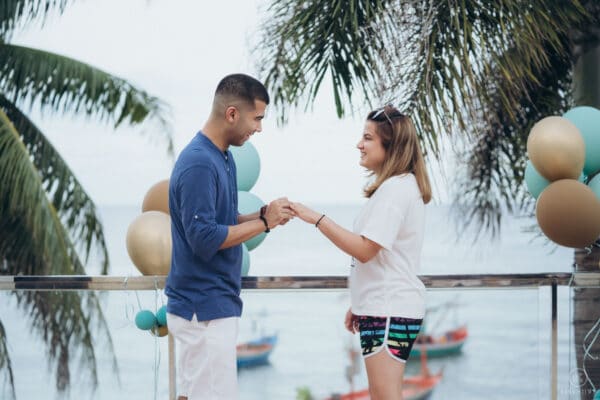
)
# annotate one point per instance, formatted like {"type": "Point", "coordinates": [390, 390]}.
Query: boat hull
{"type": "Point", "coordinates": [255, 352]}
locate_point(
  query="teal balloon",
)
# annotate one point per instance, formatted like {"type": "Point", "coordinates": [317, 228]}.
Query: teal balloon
{"type": "Point", "coordinates": [587, 120]}
{"type": "Point", "coordinates": [249, 203]}
{"type": "Point", "coordinates": [245, 260]}
{"type": "Point", "coordinates": [247, 163]}
{"type": "Point", "coordinates": [535, 182]}
{"type": "Point", "coordinates": [145, 320]}
{"type": "Point", "coordinates": [161, 316]}
{"type": "Point", "coordinates": [594, 184]}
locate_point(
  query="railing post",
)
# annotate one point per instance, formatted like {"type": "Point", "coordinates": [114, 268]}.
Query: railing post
{"type": "Point", "coordinates": [554, 344]}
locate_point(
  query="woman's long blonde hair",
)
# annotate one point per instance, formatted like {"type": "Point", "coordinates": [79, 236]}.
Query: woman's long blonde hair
{"type": "Point", "coordinates": [402, 150]}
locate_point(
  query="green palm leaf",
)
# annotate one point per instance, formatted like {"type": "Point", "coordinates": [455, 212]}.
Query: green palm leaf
{"type": "Point", "coordinates": [47, 172]}
{"type": "Point", "coordinates": [303, 41]}
{"type": "Point", "coordinates": [467, 68]}
{"type": "Point", "coordinates": [48, 222]}
{"type": "Point", "coordinates": [5, 363]}
{"type": "Point", "coordinates": [36, 241]}
{"type": "Point", "coordinates": [70, 324]}
{"type": "Point", "coordinates": [21, 12]}
{"type": "Point", "coordinates": [60, 84]}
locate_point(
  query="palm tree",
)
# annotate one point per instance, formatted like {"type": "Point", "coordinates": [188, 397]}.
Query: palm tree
{"type": "Point", "coordinates": [478, 72]}
{"type": "Point", "coordinates": [48, 223]}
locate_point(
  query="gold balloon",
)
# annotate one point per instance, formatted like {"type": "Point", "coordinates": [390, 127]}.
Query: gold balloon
{"type": "Point", "coordinates": [568, 212]}
{"type": "Point", "coordinates": [157, 197]}
{"type": "Point", "coordinates": [556, 148]}
{"type": "Point", "coordinates": [149, 243]}
{"type": "Point", "coordinates": [159, 331]}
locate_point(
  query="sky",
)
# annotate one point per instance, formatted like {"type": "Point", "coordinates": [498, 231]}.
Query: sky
{"type": "Point", "coordinates": [179, 51]}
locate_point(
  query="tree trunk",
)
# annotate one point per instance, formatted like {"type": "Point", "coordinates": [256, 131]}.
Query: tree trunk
{"type": "Point", "coordinates": [586, 78]}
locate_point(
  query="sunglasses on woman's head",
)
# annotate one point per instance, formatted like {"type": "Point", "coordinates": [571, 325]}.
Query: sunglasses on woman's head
{"type": "Point", "coordinates": [382, 110]}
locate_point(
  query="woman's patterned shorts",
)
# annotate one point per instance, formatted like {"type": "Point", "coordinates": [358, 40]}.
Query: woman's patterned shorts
{"type": "Point", "coordinates": [397, 334]}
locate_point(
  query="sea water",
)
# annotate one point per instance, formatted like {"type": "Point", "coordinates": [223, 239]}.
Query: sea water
{"type": "Point", "coordinates": [507, 354]}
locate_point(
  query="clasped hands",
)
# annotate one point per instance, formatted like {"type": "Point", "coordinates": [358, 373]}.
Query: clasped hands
{"type": "Point", "coordinates": [280, 211]}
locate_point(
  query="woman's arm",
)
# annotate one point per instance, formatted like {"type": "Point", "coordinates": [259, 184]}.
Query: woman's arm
{"type": "Point", "coordinates": [351, 243]}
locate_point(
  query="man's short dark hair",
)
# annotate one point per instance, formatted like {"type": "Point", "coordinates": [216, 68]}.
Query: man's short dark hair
{"type": "Point", "coordinates": [243, 87]}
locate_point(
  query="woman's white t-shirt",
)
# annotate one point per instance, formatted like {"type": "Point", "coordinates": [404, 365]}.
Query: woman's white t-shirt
{"type": "Point", "coordinates": [388, 285]}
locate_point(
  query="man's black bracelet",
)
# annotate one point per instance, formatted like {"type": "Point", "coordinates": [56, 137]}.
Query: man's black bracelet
{"type": "Point", "coordinates": [264, 220]}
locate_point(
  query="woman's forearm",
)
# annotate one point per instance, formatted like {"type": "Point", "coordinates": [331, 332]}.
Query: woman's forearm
{"type": "Point", "coordinates": [351, 243]}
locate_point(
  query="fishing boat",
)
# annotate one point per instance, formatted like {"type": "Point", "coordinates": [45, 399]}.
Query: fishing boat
{"type": "Point", "coordinates": [255, 352]}
{"type": "Point", "coordinates": [447, 343]}
{"type": "Point", "coordinates": [414, 387]}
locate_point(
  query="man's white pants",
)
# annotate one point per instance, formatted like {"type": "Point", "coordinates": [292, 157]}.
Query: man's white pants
{"type": "Point", "coordinates": [206, 366]}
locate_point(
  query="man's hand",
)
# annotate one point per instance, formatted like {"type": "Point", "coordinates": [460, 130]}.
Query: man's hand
{"type": "Point", "coordinates": [279, 212]}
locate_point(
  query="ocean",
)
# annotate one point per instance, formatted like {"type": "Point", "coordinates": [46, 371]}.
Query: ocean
{"type": "Point", "coordinates": [507, 354]}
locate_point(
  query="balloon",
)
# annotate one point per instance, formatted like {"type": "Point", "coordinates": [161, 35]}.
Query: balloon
{"type": "Point", "coordinates": [159, 331]}
{"type": "Point", "coordinates": [556, 149]}
{"type": "Point", "coordinates": [587, 120]}
{"type": "Point", "coordinates": [594, 184]}
{"type": "Point", "coordinates": [161, 316]}
{"type": "Point", "coordinates": [245, 260]}
{"type": "Point", "coordinates": [157, 198]}
{"type": "Point", "coordinates": [247, 163]}
{"type": "Point", "coordinates": [534, 181]}
{"type": "Point", "coordinates": [149, 243]}
{"type": "Point", "coordinates": [568, 212]}
{"type": "Point", "coordinates": [249, 203]}
{"type": "Point", "coordinates": [145, 320]}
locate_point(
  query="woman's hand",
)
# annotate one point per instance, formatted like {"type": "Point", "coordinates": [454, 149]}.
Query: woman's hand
{"type": "Point", "coordinates": [351, 322]}
{"type": "Point", "coordinates": [304, 213]}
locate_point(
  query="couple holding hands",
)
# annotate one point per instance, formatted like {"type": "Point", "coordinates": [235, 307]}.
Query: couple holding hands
{"type": "Point", "coordinates": [204, 283]}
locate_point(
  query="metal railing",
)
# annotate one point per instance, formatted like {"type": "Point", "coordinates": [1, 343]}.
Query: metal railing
{"type": "Point", "coordinates": [268, 283]}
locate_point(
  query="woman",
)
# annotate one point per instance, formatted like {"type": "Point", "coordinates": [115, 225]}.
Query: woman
{"type": "Point", "coordinates": [387, 297]}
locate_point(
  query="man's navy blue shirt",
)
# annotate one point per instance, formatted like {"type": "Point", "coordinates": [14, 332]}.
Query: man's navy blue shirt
{"type": "Point", "coordinates": [203, 202]}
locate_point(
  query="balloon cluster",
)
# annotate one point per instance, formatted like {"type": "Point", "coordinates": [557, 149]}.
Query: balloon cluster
{"type": "Point", "coordinates": [562, 173]}
{"type": "Point", "coordinates": [146, 320]}
{"type": "Point", "coordinates": [247, 162]}
{"type": "Point", "coordinates": [149, 235]}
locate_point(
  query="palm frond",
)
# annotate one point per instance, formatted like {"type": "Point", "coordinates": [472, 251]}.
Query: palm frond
{"type": "Point", "coordinates": [493, 180]}
{"type": "Point", "coordinates": [60, 84]}
{"type": "Point", "coordinates": [6, 365]}
{"type": "Point", "coordinates": [22, 12]}
{"type": "Point", "coordinates": [33, 235]}
{"type": "Point", "coordinates": [463, 52]}
{"type": "Point", "coordinates": [477, 68]}
{"type": "Point", "coordinates": [304, 41]}
{"type": "Point", "coordinates": [35, 241]}
{"type": "Point", "coordinates": [36, 229]}
{"type": "Point", "coordinates": [68, 323]}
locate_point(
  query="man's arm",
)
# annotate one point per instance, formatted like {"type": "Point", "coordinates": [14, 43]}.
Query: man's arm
{"type": "Point", "coordinates": [248, 217]}
{"type": "Point", "coordinates": [237, 234]}
{"type": "Point", "coordinates": [278, 212]}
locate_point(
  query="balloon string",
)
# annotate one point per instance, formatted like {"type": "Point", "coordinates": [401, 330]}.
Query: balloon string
{"type": "Point", "coordinates": [129, 310]}
{"type": "Point", "coordinates": [156, 343]}
{"type": "Point", "coordinates": [586, 351]}
{"type": "Point", "coordinates": [156, 364]}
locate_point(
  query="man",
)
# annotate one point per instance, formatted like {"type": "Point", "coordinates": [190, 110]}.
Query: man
{"type": "Point", "coordinates": [204, 282]}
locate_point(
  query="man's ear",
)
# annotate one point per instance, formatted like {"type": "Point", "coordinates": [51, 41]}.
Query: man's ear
{"type": "Point", "coordinates": [231, 114]}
